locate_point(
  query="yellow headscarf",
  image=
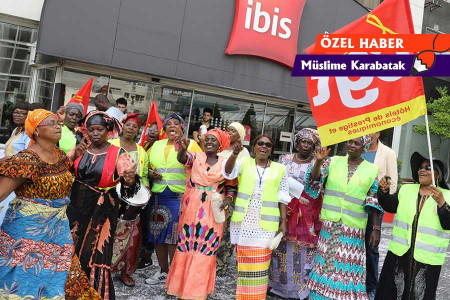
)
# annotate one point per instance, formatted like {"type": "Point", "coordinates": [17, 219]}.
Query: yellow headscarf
{"type": "Point", "coordinates": [239, 128]}
{"type": "Point", "coordinates": [34, 118]}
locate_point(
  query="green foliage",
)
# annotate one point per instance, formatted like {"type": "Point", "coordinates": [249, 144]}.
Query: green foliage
{"type": "Point", "coordinates": [440, 110]}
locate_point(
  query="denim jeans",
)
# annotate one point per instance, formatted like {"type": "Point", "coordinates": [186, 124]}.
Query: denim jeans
{"type": "Point", "coordinates": [372, 257]}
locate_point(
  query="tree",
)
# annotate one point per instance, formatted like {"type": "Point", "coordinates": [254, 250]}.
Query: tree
{"type": "Point", "coordinates": [440, 124]}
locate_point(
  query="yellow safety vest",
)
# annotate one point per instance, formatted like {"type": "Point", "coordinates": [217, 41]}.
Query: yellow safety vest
{"type": "Point", "coordinates": [344, 200]}
{"type": "Point", "coordinates": [173, 173]}
{"type": "Point", "coordinates": [269, 217]}
{"type": "Point", "coordinates": [431, 239]}
{"type": "Point", "coordinates": [68, 140]}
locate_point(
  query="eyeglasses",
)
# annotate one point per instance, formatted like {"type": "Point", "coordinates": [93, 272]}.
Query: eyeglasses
{"type": "Point", "coordinates": [20, 113]}
{"type": "Point", "coordinates": [425, 167]}
{"type": "Point", "coordinates": [261, 143]}
{"type": "Point", "coordinates": [51, 124]}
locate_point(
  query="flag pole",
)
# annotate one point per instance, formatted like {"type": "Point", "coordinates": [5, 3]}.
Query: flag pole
{"type": "Point", "coordinates": [430, 152]}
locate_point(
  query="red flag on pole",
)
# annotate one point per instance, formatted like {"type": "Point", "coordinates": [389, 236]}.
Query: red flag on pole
{"type": "Point", "coordinates": [153, 117]}
{"type": "Point", "coordinates": [348, 107]}
{"type": "Point", "coordinates": [83, 95]}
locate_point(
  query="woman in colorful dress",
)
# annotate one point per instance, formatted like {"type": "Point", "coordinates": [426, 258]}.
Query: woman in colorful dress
{"type": "Point", "coordinates": [35, 240]}
{"type": "Point", "coordinates": [226, 248]}
{"type": "Point", "coordinates": [260, 211]}
{"type": "Point", "coordinates": [350, 191]}
{"type": "Point", "coordinates": [128, 237]}
{"type": "Point", "coordinates": [168, 185]}
{"type": "Point", "coordinates": [93, 210]}
{"type": "Point", "coordinates": [199, 234]}
{"type": "Point", "coordinates": [292, 260]}
{"type": "Point", "coordinates": [73, 112]}
{"type": "Point", "coordinates": [421, 233]}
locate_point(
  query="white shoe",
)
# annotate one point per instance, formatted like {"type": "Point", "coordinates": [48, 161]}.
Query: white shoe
{"type": "Point", "coordinates": [157, 278]}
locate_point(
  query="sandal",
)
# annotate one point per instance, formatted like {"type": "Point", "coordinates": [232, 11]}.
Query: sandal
{"type": "Point", "coordinates": [127, 280]}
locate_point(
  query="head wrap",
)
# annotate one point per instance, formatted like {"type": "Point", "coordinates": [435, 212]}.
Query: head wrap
{"type": "Point", "coordinates": [97, 117]}
{"type": "Point", "coordinates": [34, 118]}
{"type": "Point", "coordinates": [132, 117]}
{"type": "Point", "coordinates": [77, 106]}
{"type": "Point", "coordinates": [239, 128]}
{"type": "Point", "coordinates": [173, 116]}
{"type": "Point", "coordinates": [222, 136]}
{"type": "Point", "coordinates": [365, 139]}
{"type": "Point", "coordinates": [308, 134]}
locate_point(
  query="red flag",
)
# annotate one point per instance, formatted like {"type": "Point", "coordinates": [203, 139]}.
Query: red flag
{"type": "Point", "coordinates": [153, 117]}
{"type": "Point", "coordinates": [349, 107]}
{"type": "Point", "coordinates": [83, 95]}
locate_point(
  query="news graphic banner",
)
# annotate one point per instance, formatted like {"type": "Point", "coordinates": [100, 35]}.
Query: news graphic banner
{"type": "Point", "coordinates": [376, 55]}
{"type": "Point", "coordinates": [346, 107]}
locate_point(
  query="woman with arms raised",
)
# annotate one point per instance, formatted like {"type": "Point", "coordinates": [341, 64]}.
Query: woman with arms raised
{"type": "Point", "coordinates": [260, 211]}
{"type": "Point", "coordinates": [350, 191]}
{"type": "Point", "coordinates": [199, 234]}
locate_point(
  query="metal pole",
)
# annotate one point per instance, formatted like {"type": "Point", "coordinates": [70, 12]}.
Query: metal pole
{"type": "Point", "coordinates": [430, 152]}
{"type": "Point", "coordinates": [190, 112]}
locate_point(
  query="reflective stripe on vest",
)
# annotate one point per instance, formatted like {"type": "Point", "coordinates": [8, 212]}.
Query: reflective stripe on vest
{"type": "Point", "coordinates": [269, 213]}
{"type": "Point", "coordinates": [430, 246]}
{"type": "Point", "coordinates": [171, 170]}
{"type": "Point", "coordinates": [344, 199]}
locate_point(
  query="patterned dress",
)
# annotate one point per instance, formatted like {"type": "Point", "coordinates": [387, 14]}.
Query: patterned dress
{"type": "Point", "coordinates": [293, 259]}
{"type": "Point", "coordinates": [93, 213]}
{"type": "Point", "coordinates": [35, 240]}
{"type": "Point", "coordinates": [192, 273]}
{"type": "Point", "coordinates": [340, 260]}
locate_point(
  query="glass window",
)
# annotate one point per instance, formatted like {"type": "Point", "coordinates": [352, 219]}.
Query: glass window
{"type": "Point", "coordinates": [278, 123]}
{"type": "Point", "coordinates": [75, 79]}
{"type": "Point", "coordinates": [172, 100]}
{"type": "Point", "coordinates": [46, 79]}
{"type": "Point", "coordinates": [138, 94]}
{"type": "Point", "coordinates": [14, 59]}
{"type": "Point", "coordinates": [227, 110]}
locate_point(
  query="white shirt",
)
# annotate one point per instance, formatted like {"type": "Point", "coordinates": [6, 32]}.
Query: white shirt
{"type": "Point", "coordinates": [248, 232]}
{"type": "Point", "coordinates": [114, 112]}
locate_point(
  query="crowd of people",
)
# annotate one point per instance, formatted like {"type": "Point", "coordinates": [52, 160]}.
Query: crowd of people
{"type": "Point", "coordinates": [84, 202]}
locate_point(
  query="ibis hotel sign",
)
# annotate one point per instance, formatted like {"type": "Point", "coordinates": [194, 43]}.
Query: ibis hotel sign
{"type": "Point", "coordinates": [267, 29]}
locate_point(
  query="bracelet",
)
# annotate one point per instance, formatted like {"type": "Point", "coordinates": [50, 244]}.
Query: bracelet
{"type": "Point", "coordinates": [282, 220]}
{"type": "Point", "coordinates": [376, 227]}
{"type": "Point", "coordinates": [232, 198]}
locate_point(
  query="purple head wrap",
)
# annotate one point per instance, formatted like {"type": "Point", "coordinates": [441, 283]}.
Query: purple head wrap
{"type": "Point", "coordinates": [174, 116]}
{"type": "Point", "coordinates": [308, 134]}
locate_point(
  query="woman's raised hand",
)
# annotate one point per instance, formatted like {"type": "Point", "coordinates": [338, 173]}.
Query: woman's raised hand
{"type": "Point", "coordinates": [237, 147]}
{"type": "Point", "coordinates": [321, 153]}
{"type": "Point", "coordinates": [61, 113]}
{"type": "Point", "coordinates": [182, 141]}
{"type": "Point", "coordinates": [81, 148]}
{"type": "Point", "coordinates": [437, 196]}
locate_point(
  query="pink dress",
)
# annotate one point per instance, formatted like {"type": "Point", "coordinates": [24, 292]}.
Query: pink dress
{"type": "Point", "coordinates": [192, 273]}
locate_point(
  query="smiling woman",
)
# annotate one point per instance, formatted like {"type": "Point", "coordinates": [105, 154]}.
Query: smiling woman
{"type": "Point", "coordinates": [37, 242]}
{"type": "Point", "coordinates": [421, 233]}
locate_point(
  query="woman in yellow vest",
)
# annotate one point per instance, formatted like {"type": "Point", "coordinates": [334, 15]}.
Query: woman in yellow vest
{"type": "Point", "coordinates": [420, 235]}
{"type": "Point", "coordinates": [260, 211]}
{"type": "Point", "coordinates": [128, 237]}
{"type": "Point", "coordinates": [350, 184]}
{"type": "Point", "coordinates": [168, 185]}
{"type": "Point", "coordinates": [73, 114]}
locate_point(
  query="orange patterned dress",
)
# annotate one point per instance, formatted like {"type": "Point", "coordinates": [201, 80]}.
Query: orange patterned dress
{"type": "Point", "coordinates": [192, 273]}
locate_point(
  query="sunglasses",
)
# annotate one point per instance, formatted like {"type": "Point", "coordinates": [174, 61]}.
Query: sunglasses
{"type": "Point", "coordinates": [261, 143]}
{"type": "Point", "coordinates": [51, 124]}
{"type": "Point", "coordinates": [425, 167]}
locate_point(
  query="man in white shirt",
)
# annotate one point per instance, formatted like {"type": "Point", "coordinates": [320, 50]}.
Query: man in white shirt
{"type": "Point", "coordinates": [386, 160]}
{"type": "Point", "coordinates": [102, 103]}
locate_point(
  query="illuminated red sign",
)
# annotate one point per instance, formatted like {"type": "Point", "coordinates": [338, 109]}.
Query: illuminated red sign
{"type": "Point", "coordinates": [267, 29]}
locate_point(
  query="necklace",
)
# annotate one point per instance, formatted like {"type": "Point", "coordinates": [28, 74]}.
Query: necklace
{"type": "Point", "coordinates": [98, 150]}
{"type": "Point", "coordinates": [302, 160]}
{"type": "Point", "coordinates": [261, 175]}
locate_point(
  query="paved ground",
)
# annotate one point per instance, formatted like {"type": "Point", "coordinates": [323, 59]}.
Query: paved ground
{"type": "Point", "coordinates": [225, 286]}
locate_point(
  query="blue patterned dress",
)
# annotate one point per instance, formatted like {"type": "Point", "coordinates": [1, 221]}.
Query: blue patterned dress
{"type": "Point", "coordinates": [35, 239]}
{"type": "Point", "coordinates": [340, 259]}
